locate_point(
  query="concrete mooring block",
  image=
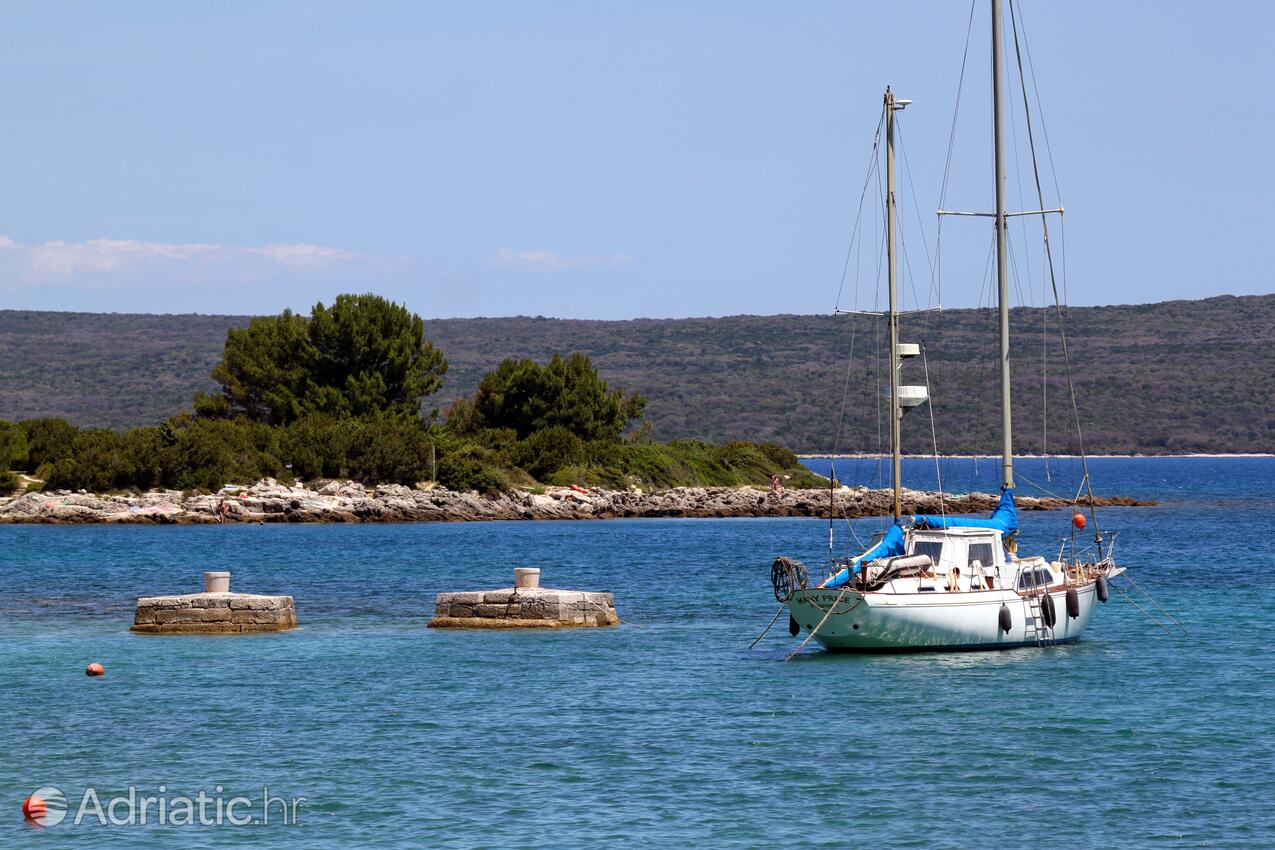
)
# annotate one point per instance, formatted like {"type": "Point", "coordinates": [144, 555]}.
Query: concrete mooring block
{"type": "Point", "coordinates": [522, 607]}
{"type": "Point", "coordinates": [217, 612]}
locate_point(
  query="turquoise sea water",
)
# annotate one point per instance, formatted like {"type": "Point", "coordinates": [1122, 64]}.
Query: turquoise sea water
{"type": "Point", "coordinates": [671, 734]}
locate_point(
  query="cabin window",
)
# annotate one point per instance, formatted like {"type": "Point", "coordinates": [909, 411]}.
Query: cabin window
{"type": "Point", "coordinates": [983, 553]}
{"type": "Point", "coordinates": [933, 548]}
{"type": "Point", "coordinates": [1038, 577]}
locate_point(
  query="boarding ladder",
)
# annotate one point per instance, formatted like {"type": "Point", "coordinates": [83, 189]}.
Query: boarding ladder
{"type": "Point", "coordinates": [1033, 595]}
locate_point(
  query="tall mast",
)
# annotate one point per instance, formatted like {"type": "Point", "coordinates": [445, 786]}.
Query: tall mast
{"type": "Point", "coordinates": [896, 411]}
{"type": "Point", "coordinates": [1002, 267]}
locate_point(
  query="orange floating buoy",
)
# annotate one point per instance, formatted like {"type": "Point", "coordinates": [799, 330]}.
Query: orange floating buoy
{"type": "Point", "coordinates": [94, 669]}
{"type": "Point", "coordinates": [33, 808]}
{"type": "Point", "coordinates": [1078, 520]}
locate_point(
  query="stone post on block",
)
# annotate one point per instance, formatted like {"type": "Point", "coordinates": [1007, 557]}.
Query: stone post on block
{"type": "Point", "coordinates": [216, 582]}
{"type": "Point", "coordinates": [526, 578]}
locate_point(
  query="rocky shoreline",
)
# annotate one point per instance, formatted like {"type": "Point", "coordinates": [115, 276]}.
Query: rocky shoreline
{"type": "Point", "coordinates": [347, 501]}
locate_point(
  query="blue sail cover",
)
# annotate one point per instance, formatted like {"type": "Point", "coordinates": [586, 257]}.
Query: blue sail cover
{"type": "Point", "coordinates": [1004, 519]}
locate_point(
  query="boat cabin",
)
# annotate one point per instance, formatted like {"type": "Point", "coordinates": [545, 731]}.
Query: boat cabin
{"type": "Point", "coordinates": [968, 549]}
{"type": "Point", "coordinates": [968, 558]}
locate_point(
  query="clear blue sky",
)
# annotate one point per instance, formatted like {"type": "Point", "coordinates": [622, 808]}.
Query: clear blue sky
{"type": "Point", "coordinates": [597, 160]}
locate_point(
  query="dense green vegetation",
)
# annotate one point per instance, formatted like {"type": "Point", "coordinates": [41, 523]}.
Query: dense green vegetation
{"type": "Point", "coordinates": [1179, 376]}
{"type": "Point", "coordinates": [566, 394]}
{"type": "Point", "coordinates": [363, 355]}
{"type": "Point", "coordinates": [340, 393]}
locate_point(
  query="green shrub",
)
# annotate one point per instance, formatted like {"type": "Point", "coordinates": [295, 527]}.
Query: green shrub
{"type": "Point", "coordinates": [608, 477]}
{"type": "Point", "coordinates": [14, 450]}
{"type": "Point", "coordinates": [501, 444]}
{"type": "Point", "coordinates": [654, 465]}
{"type": "Point", "coordinates": [566, 392]}
{"type": "Point", "coordinates": [604, 453]}
{"type": "Point", "coordinates": [780, 457]}
{"type": "Point", "coordinates": [391, 449]}
{"type": "Point", "coordinates": [8, 481]}
{"type": "Point", "coordinates": [546, 451]}
{"type": "Point", "coordinates": [98, 461]}
{"type": "Point", "coordinates": [210, 453]}
{"type": "Point", "coordinates": [146, 454]}
{"type": "Point", "coordinates": [49, 440]}
{"type": "Point", "coordinates": [319, 446]}
{"type": "Point", "coordinates": [744, 457]}
{"type": "Point", "coordinates": [462, 469]}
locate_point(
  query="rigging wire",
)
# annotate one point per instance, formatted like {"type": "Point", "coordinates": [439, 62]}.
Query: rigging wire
{"type": "Point", "coordinates": [1013, 273]}
{"type": "Point", "coordinates": [856, 231]}
{"type": "Point", "coordinates": [907, 268]}
{"type": "Point", "coordinates": [985, 299]}
{"type": "Point", "coordinates": [876, 308]}
{"type": "Point", "coordinates": [920, 223]}
{"type": "Point", "coordinates": [947, 173]}
{"type": "Point", "coordinates": [934, 438]}
{"type": "Point", "coordinates": [933, 293]}
{"type": "Point", "coordinates": [1018, 185]}
{"type": "Point", "coordinates": [856, 240]}
{"type": "Point", "coordinates": [960, 85]}
{"type": "Point", "coordinates": [1049, 151]}
{"type": "Point", "coordinates": [1044, 374]}
{"type": "Point", "coordinates": [1071, 500]}
{"type": "Point", "coordinates": [947, 169]}
{"type": "Point", "coordinates": [932, 290]}
{"type": "Point", "coordinates": [867, 180]}
{"type": "Point", "coordinates": [1062, 325]}
{"type": "Point", "coordinates": [1028, 276]}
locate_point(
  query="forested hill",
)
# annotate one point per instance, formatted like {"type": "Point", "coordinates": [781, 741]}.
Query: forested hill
{"type": "Point", "coordinates": [1174, 377]}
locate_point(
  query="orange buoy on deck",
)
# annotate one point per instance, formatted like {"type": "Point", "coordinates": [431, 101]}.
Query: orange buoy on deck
{"type": "Point", "coordinates": [94, 669]}
{"type": "Point", "coordinates": [1078, 520]}
{"type": "Point", "coordinates": [33, 808]}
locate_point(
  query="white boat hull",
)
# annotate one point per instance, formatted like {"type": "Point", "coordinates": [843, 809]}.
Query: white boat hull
{"type": "Point", "coordinates": [910, 622]}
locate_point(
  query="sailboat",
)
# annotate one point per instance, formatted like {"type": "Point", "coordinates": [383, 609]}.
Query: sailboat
{"type": "Point", "coordinates": [936, 582]}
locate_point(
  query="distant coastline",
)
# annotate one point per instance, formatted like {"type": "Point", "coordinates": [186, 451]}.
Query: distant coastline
{"type": "Point", "coordinates": [867, 456]}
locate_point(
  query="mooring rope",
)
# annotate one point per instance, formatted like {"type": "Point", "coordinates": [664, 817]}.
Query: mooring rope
{"type": "Point", "coordinates": [1126, 577]}
{"type": "Point", "coordinates": [768, 625]}
{"type": "Point", "coordinates": [1144, 611]}
{"type": "Point", "coordinates": [603, 609]}
{"type": "Point", "coordinates": [816, 629]}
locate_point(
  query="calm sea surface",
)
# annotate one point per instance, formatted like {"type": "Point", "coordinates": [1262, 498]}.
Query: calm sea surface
{"type": "Point", "coordinates": [669, 733]}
